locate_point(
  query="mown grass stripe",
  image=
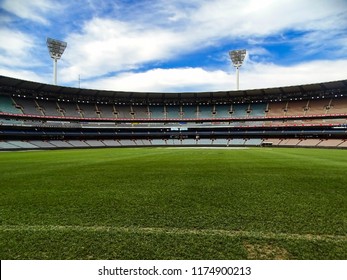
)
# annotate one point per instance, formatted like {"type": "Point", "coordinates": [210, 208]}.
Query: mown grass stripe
{"type": "Point", "coordinates": [173, 203]}
{"type": "Point", "coordinates": [178, 231]}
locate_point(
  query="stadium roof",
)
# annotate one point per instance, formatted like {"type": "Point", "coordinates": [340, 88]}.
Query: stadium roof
{"type": "Point", "coordinates": [12, 85]}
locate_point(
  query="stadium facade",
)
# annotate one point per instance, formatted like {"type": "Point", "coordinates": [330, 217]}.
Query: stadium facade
{"type": "Point", "coordinates": [35, 115]}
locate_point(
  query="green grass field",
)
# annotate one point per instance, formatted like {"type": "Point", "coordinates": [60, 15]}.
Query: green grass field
{"type": "Point", "coordinates": [166, 203]}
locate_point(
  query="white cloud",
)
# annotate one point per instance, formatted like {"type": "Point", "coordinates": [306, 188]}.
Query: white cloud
{"type": "Point", "coordinates": [252, 76]}
{"type": "Point", "coordinates": [24, 75]}
{"type": "Point", "coordinates": [110, 45]}
{"type": "Point", "coordinates": [224, 18]}
{"type": "Point", "coordinates": [256, 75]}
{"type": "Point", "coordinates": [34, 10]}
{"type": "Point", "coordinates": [174, 80]}
{"type": "Point", "coordinates": [16, 49]}
{"type": "Point", "coordinates": [144, 36]}
{"type": "Point", "coordinates": [106, 45]}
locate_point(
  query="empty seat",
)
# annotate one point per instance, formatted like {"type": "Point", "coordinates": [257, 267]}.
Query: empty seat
{"type": "Point", "coordinates": [8, 106]}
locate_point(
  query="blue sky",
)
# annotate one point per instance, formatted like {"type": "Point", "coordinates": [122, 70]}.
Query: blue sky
{"type": "Point", "coordinates": [175, 45]}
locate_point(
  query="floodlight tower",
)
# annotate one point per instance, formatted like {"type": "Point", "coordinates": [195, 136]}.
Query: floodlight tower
{"type": "Point", "coordinates": [56, 49]}
{"type": "Point", "coordinates": [237, 58]}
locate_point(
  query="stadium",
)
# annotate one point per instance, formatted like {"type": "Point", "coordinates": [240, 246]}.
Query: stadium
{"type": "Point", "coordinates": [35, 116]}
{"type": "Point", "coordinates": [186, 175]}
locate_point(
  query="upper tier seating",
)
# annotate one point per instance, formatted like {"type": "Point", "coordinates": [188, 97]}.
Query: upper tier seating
{"type": "Point", "coordinates": [338, 106]}
{"type": "Point", "coordinates": [42, 107]}
{"type": "Point", "coordinates": [69, 109]}
{"type": "Point", "coordinates": [88, 110]}
{"type": "Point", "coordinates": [106, 111]}
{"type": "Point", "coordinates": [240, 110]}
{"type": "Point", "coordinates": [123, 111]}
{"type": "Point", "coordinates": [8, 106]}
{"type": "Point", "coordinates": [297, 108]}
{"type": "Point", "coordinates": [140, 112]}
{"type": "Point", "coordinates": [50, 108]}
{"type": "Point", "coordinates": [157, 112]}
{"type": "Point", "coordinates": [189, 111]}
{"type": "Point", "coordinates": [205, 111]}
{"type": "Point", "coordinates": [173, 112]}
{"type": "Point", "coordinates": [276, 109]}
{"type": "Point", "coordinates": [29, 106]}
{"type": "Point", "coordinates": [223, 111]}
{"type": "Point", "coordinates": [318, 106]}
{"type": "Point", "coordinates": [258, 110]}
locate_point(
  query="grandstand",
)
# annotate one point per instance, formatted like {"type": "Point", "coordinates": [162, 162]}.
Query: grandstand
{"type": "Point", "coordinates": [35, 115]}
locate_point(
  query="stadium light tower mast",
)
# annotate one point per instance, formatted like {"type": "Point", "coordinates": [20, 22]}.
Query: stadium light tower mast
{"type": "Point", "coordinates": [56, 49]}
{"type": "Point", "coordinates": [237, 58]}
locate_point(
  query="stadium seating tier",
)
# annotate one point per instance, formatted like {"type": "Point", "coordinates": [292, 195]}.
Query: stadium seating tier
{"type": "Point", "coordinates": [37, 119]}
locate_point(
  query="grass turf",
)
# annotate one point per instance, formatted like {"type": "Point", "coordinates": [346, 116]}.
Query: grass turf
{"type": "Point", "coordinates": [163, 203]}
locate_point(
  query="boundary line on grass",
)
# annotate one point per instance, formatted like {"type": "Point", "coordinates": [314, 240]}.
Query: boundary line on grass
{"type": "Point", "coordinates": [178, 231]}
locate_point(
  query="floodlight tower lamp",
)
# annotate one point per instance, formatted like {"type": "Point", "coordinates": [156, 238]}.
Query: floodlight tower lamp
{"type": "Point", "coordinates": [56, 49]}
{"type": "Point", "coordinates": [237, 57]}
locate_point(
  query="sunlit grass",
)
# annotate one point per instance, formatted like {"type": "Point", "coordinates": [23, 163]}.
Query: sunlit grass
{"type": "Point", "coordinates": [159, 203]}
